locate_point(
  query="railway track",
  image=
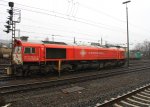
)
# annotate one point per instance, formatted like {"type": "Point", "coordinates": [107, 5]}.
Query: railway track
{"type": "Point", "coordinates": [138, 62]}
{"type": "Point", "coordinates": [139, 97]}
{"type": "Point", "coordinates": [62, 81]}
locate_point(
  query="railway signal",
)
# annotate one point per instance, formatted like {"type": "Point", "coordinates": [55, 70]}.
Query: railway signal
{"type": "Point", "coordinates": [11, 4]}
{"type": "Point", "coordinates": [10, 12]}
{"type": "Point", "coordinates": [8, 28]}
{"type": "Point", "coordinates": [8, 22]}
{"type": "Point", "coordinates": [10, 18]}
{"type": "Point", "coordinates": [11, 23]}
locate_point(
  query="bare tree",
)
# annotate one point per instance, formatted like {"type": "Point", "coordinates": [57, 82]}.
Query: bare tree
{"type": "Point", "coordinates": [144, 48]}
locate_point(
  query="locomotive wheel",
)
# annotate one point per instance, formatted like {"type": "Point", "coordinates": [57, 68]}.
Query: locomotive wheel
{"type": "Point", "coordinates": [27, 73]}
{"type": "Point", "coordinates": [19, 72]}
{"type": "Point", "coordinates": [67, 69]}
{"type": "Point", "coordinates": [100, 66]}
{"type": "Point", "coordinates": [23, 73]}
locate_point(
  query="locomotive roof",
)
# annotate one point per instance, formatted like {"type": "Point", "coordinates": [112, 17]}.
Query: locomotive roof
{"type": "Point", "coordinates": [53, 42]}
{"type": "Point", "coordinates": [20, 43]}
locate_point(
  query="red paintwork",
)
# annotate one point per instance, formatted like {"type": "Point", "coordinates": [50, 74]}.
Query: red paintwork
{"type": "Point", "coordinates": [72, 52]}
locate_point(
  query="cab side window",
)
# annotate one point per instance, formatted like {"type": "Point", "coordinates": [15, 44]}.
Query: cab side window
{"type": "Point", "coordinates": [33, 50]}
{"type": "Point", "coordinates": [29, 50]}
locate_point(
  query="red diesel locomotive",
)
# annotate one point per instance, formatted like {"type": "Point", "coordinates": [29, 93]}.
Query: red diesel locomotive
{"type": "Point", "coordinates": [28, 57]}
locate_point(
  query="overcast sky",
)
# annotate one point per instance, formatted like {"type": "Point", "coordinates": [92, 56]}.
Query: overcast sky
{"type": "Point", "coordinates": [86, 20]}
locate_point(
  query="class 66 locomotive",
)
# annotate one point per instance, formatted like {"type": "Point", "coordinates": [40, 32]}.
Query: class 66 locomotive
{"type": "Point", "coordinates": [36, 57]}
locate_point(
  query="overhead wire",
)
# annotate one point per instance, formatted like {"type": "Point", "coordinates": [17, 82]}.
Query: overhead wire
{"type": "Point", "coordinates": [101, 12]}
{"type": "Point", "coordinates": [76, 19]}
{"type": "Point", "coordinates": [81, 20]}
{"type": "Point", "coordinates": [92, 23]}
{"type": "Point", "coordinates": [50, 34]}
{"type": "Point", "coordinates": [47, 28]}
{"type": "Point", "coordinates": [83, 5]}
{"type": "Point", "coordinates": [88, 22]}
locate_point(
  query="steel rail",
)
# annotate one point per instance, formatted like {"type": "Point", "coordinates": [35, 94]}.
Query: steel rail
{"type": "Point", "coordinates": [61, 81]}
{"type": "Point", "coordinates": [116, 100]}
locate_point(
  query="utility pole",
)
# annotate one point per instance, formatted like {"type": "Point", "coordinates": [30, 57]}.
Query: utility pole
{"type": "Point", "coordinates": [53, 38]}
{"type": "Point", "coordinates": [101, 40]}
{"type": "Point", "coordinates": [126, 2]}
{"type": "Point", "coordinates": [74, 40]}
